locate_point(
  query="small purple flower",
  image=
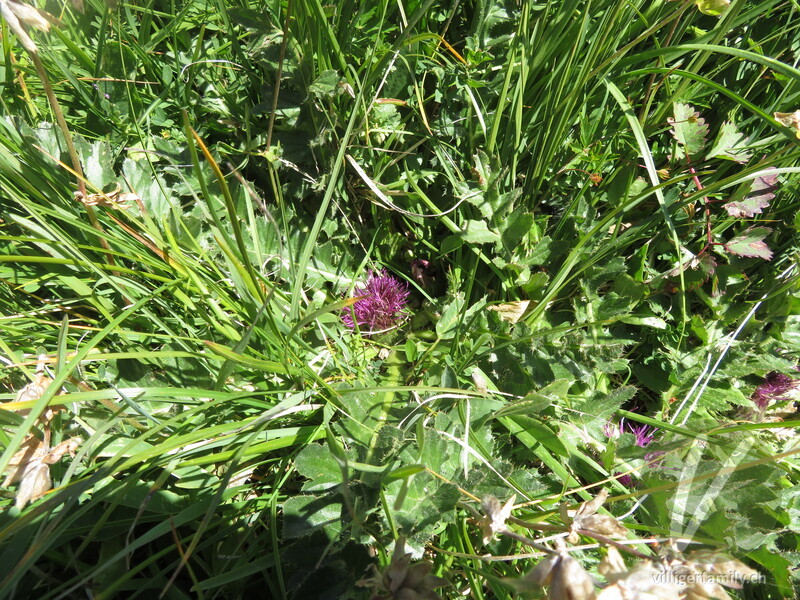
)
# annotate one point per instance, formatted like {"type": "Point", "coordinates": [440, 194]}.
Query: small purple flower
{"type": "Point", "coordinates": [380, 305]}
{"type": "Point", "coordinates": [774, 388]}
{"type": "Point", "coordinates": [624, 479]}
{"type": "Point", "coordinates": [610, 430]}
{"type": "Point", "coordinates": [644, 434]}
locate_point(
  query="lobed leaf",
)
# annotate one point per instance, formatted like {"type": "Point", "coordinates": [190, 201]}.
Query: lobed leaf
{"type": "Point", "coordinates": [751, 244]}
{"type": "Point", "coordinates": [688, 128]}
{"type": "Point", "coordinates": [761, 192]}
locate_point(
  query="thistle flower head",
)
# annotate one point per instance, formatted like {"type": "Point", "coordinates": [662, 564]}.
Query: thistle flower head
{"type": "Point", "coordinates": [611, 430]}
{"type": "Point", "coordinates": [624, 478]}
{"type": "Point", "coordinates": [644, 434]}
{"type": "Point", "coordinates": [380, 305]}
{"type": "Point", "coordinates": [774, 389]}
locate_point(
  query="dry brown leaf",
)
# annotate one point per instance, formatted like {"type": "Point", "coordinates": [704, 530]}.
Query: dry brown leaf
{"type": "Point", "coordinates": [643, 582]}
{"type": "Point", "coordinates": [66, 447]}
{"type": "Point", "coordinates": [511, 311]}
{"type": "Point", "coordinates": [494, 516]}
{"type": "Point", "coordinates": [31, 467]}
{"type": "Point", "coordinates": [570, 581]}
{"type": "Point", "coordinates": [404, 580]}
{"type": "Point", "coordinates": [16, 14]}
{"type": "Point", "coordinates": [612, 566]}
{"type": "Point", "coordinates": [30, 450]}
{"type": "Point", "coordinates": [789, 120]}
{"type": "Point", "coordinates": [112, 199]}
{"type": "Point", "coordinates": [35, 389]}
{"type": "Point", "coordinates": [567, 579]}
{"type": "Point", "coordinates": [34, 483]}
{"type": "Point", "coordinates": [586, 518]}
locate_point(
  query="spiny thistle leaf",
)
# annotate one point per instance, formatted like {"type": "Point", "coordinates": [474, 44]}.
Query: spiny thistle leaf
{"type": "Point", "coordinates": [761, 192]}
{"type": "Point", "coordinates": [751, 244]}
{"type": "Point", "coordinates": [688, 129]}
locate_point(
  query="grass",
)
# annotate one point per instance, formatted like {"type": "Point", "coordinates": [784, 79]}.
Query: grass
{"type": "Point", "coordinates": [593, 205]}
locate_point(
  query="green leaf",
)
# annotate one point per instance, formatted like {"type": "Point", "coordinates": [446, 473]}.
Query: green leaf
{"type": "Point", "coordinates": [327, 84]}
{"type": "Point", "coordinates": [531, 404]}
{"type": "Point", "coordinates": [688, 129]}
{"type": "Point", "coordinates": [305, 514]}
{"type": "Point", "coordinates": [780, 567]}
{"type": "Point", "coordinates": [316, 463]}
{"type": "Point", "coordinates": [722, 397]}
{"type": "Point", "coordinates": [730, 144]}
{"type": "Point", "coordinates": [515, 229]}
{"type": "Point", "coordinates": [447, 323]}
{"type": "Point", "coordinates": [761, 192]}
{"type": "Point", "coordinates": [403, 472]}
{"type": "Point", "coordinates": [98, 164]}
{"type": "Point", "coordinates": [713, 8]}
{"type": "Point", "coordinates": [751, 244]}
{"type": "Point", "coordinates": [477, 232]}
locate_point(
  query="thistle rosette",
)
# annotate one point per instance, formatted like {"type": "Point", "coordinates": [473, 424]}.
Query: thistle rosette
{"type": "Point", "coordinates": [381, 304]}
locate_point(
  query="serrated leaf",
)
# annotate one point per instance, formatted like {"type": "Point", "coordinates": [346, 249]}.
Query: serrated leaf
{"type": "Point", "coordinates": [327, 84]}
{"type": "Point", "coordinates": [316, 463]}
{"type": "Point", "coordinates": [447, 323]}
{"type": "Point", "coordinates": [515, 228]}
{"type": "Point", "coordinates": [98, 163]}
{"type": "Point", "coordinates": [747, 207]}
{"type": "Point", "coordinates": [477, 232]}
{"type": "Point", "coordinates": [721, 398]}
{"type": "Point", "coordinates": [730, 144]}
{"type": "Point", "coordinates": [713, 8]}
{"type": "Point", "coordinates": [305, 514]}
{"type": "Point", "coordinates": [751, 244]}
{"type": "Point", "coordinates": [688, 128]}
{"type": "Point", "coordinates": [761, 192]}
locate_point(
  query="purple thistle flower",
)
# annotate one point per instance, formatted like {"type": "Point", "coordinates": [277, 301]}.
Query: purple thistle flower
{"type": "Point", "coordinates": [380, 305]}
{"type": "Point", "coordinates": [644, 434]}
{"type": "Point", "coordinates": [774, 388]}
{"type": "Point", "coordinates": [625, 479]}
{"type": "Point", "coordinates": [610, 430]}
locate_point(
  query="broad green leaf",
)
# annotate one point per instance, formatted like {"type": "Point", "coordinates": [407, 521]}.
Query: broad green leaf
{"type": "Point", "coordinates": [515, 229]}
{"type": "Point", "coordinates": [447, 323]}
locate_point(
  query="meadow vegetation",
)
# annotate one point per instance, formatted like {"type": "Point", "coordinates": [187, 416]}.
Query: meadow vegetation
{"type": "Point", "coordinates": [399, 299]}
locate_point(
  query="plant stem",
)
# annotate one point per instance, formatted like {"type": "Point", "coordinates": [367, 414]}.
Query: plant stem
{"type": "Point", "coordinates": [73, 153]}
